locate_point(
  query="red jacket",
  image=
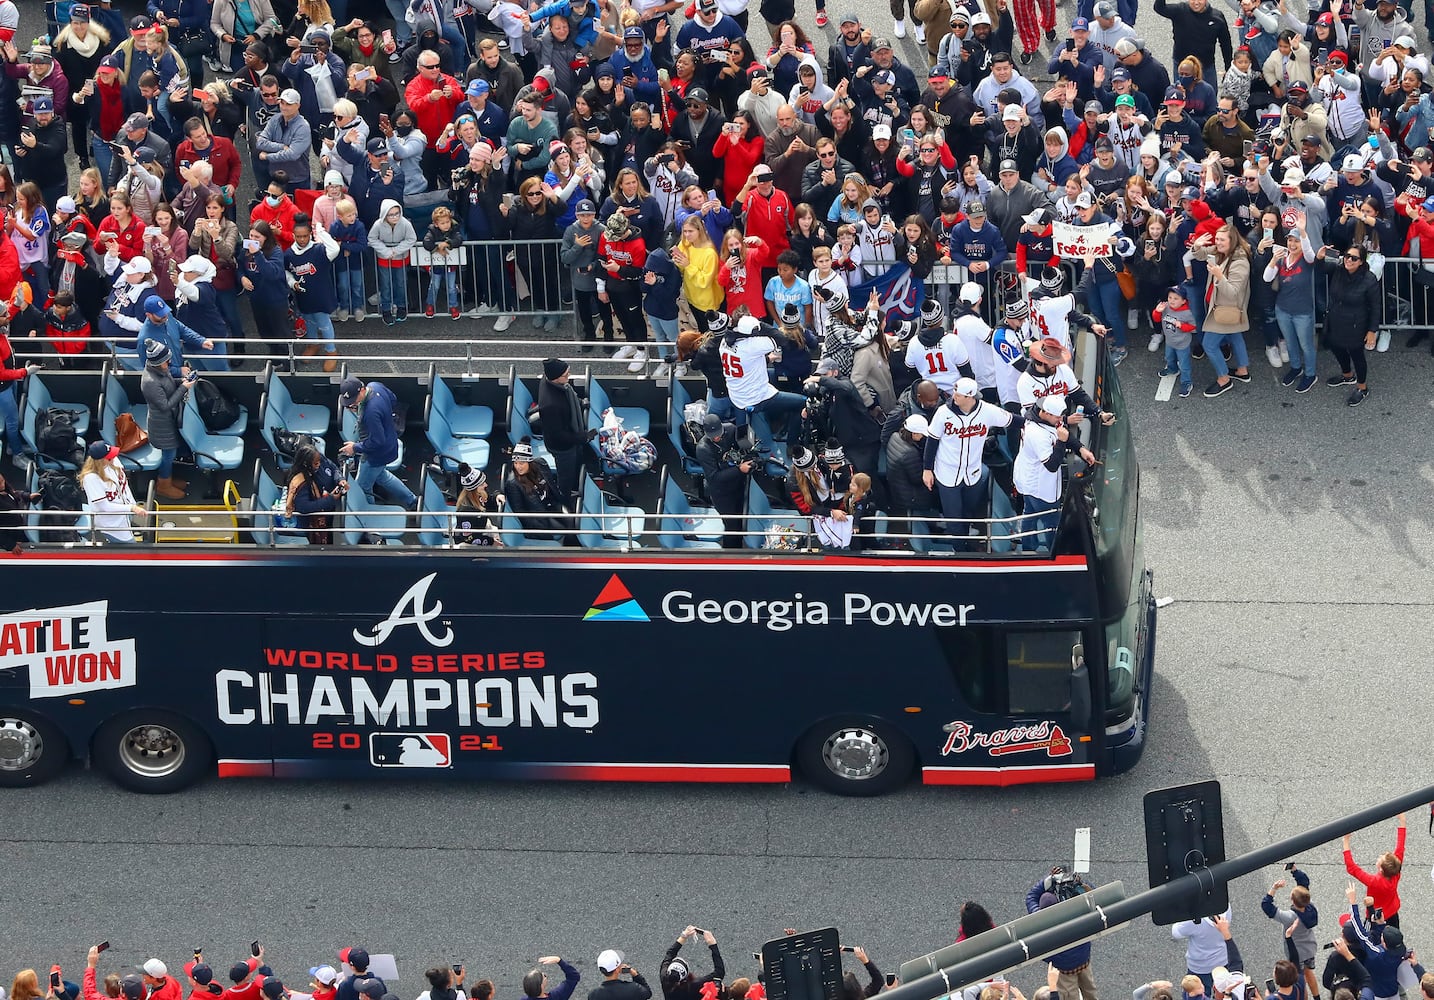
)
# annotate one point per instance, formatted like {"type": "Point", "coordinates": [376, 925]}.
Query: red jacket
{"type": "Point", "coordinates": [738, 157]}
{"type": "Point", "coordinates": [280, 220]}
{"type": "Point", "coordinates": [769, 219]}
{"type": "Point", "coordinates": [743, 284]}
{"type": "Point", "coordinates": [1383, 889]}
{"type": "Point", "coordinates": [431, 116]}
{"type": "Point", "coordinates": [131, 239]}
{"type": "Point", "coordinates": [629, 255]}
{"type": "Point", "coordinates": [7, 358]}
{"type": "Point", "coordinates": [223, 157]}
{"type": "Point", "coordinates": [9, 269]}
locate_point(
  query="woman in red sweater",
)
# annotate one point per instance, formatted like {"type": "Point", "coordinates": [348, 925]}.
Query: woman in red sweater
{"type": "Point", "coordinates": [1382, 884]}
{"type": "Point", "coordinates": [740, 147]}
{"type": "Point", "coordinates": [122, 232]}
{"type": "Point", "coordinates": [740, 272]}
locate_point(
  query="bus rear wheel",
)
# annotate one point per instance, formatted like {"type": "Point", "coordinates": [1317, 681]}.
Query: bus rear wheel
{"type": "Point", "coordinates": [152, 752]}
{"type": "Point", "coordinates": [32, 750]}
{"type": "Point", "coordinates": [855, 757]}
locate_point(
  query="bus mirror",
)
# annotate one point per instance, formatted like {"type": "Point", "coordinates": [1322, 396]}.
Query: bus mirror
{"type": "Point", "coordinates": [1080, 691]}
{"type": "Point", "coordinates": [1077, 656]}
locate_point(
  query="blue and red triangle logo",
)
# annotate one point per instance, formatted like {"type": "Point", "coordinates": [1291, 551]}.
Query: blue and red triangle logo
{"type": "Point", "coordinates": [616, 604]}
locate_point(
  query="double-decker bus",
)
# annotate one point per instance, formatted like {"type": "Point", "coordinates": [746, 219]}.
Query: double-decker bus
{"type": "Point", "coordinates": [163, 662]}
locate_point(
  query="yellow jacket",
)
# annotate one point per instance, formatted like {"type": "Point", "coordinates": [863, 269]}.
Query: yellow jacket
{"type": "Point", "coordinates": [699, 277]}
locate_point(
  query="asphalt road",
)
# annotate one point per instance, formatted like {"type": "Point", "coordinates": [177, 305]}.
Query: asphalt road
{"type": "Point", "coordinates": [1293, 534]}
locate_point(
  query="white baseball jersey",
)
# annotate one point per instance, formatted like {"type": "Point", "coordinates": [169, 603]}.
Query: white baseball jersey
{"type": "Point", "coordinates": [821, 317]}
{"type": "Point", "coordinates": [878, 248]}
{"type": "Point", "coordinates": [1032, 388]}
{"type": "Point", "coordinates": [962, 440]}
{"type": "Point", "coordinates": [745, 365]}
{"type": "Point", "coordinates": [940, 362]}
{"type": "Point", "coordinates": [1051, 318]}
{"type": "Point", "coordinates": [1032, 478]}
{"type": "Point", "coordinates": [975, 336]}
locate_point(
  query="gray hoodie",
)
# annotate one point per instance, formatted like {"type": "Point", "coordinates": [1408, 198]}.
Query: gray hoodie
{"type": "Point", "coordinates": [391, 241]}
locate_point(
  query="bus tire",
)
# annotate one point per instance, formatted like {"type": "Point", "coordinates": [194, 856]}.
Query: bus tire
{"type": "Point", "coordinates": [152, 751]}
{"type": "Point", "coordinates": [855, 757]}
{"type": "Point", "coordinates": [32, 751]}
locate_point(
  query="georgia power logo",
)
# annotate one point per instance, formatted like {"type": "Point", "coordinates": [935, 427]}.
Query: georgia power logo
{"type": "Point", "coordinates": [67, 649]}
{"type": "Point", "coordinates": [615, 603]}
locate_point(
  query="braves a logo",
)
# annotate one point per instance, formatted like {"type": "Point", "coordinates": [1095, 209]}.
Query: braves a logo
{"type": "Point", "coordinates": [410, 610]}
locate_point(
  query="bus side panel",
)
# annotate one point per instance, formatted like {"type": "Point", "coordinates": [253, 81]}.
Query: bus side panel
{"type": "Point", "coordinates": [530, 667]}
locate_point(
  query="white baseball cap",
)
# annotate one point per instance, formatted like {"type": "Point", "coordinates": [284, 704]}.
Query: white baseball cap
{"type": "Point", "coordinates": [970, 293]}
{"type": "Point", "coordinates": [747, 325]}
{"type": "Point", "coordinates": [1012, 113]}
{"type": "Point", "coordinates": [1054, 404]}
{"type": "Point", "coordinates": [916, 424]}
{"type": "Point", "coordinates": [611, 960]}
{"type": "Point", "coordinates": [324, 975]}
{"type": "Point", "coordinates": [966, 387]}
{"type": "Point", "coordinates": [1352, 164]}
{"type": "Point", "coordinates": [882, 131]}
{"type": "Point", "coordinates": [138, 265]}
{"type": "Point", "coordinates": [154, 967]}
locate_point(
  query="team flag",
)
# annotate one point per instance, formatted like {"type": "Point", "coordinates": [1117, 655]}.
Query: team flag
{"type": "Point", "coordinates": [900, 293]}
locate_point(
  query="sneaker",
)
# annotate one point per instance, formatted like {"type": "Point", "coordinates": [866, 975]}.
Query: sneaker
{"type": "Point", "coordinates": [1166, 372]}
{"type": "Point", "coordinates": [454, 312]}
{"type": "Point", "coordinates": [359, 316]}
{"type": "Point", "coordinates": [1356, 397]}
{"type": "Point", "coordinates": [537, 322]}
{"type": "Point", "coordinates": [821, 19]}
{"type": "Point", "coordinates": [1132, 318]}
{"type": "Point", "coordinates": [1185, 390]}
{"type": "Point", "coordinates": [1218, 388]}
{"type": "Point", "coordinates": [899, 30]}
{"type": "Point", "coordinates": [1026, 58]}
{"type": "Point", "coordinates": [1334, 381]}
{"type": "Point", "coordinates": [1156, 339]}
{"type": "Point", "coordinates": [400, 315]}
{"type": "Point", "coordinates": [1290, 378]}
{"type": "Point", "coordinates": [387, 317]}
{"type": "Point", "coordinates": [1117, 355]}
{"type": "Point", "coordinates": [503, 322]}
{"type": "Point", "coordinates": [919, 30]}
{"type": "Point", "coordinates": [1306, 383]}
{"type": "Point", "coordinates": [550, 325]}
{"type": "Point", "coordinates": [428, 312]}
{"type": "Point", "coordinates": [1284, 352]}
{"type": "Point", "coordinates": [679, 370]}
{"type": "Point", "coordinates": [342, 316]}
{"type": "Point", "coordinates": [1240, 378]}
{"type": "Point", "coordinates": [1050, 34]}
{"type": "Point", "coordinates": [662, 371]}
{"type": "Point", "coordinates": [639, 361]}
{"type": "Point", "coordinates": [1272, 354]}
{"type": "Point", "coordinates": [1197, 353]}
{"type": "Point", "coordinates": [623, 353]}
{"type": "Point", "coordinates": [482, 309]}
{"type": "Point", "coordinates": [1381, 343]}
{"type": "Point", "coordinates": [373, 299]}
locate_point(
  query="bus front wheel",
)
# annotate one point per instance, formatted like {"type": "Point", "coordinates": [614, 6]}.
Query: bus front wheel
{"type": "Point", "coordinates": [152, 752]}
{"type": "Point", "coordinates": [32, 750]}
{"type": "Point", "coordinates": [856, 757]}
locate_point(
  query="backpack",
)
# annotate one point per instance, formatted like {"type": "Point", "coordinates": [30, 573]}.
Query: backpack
{"type": "Point", "coordinates": [59, 491]}
{"type": "Point", "coordinates": [55, 434]}
{"type": "Point", "coordinates": [216, 408]}
{"type": "Point", "coordinates": [287, 442]}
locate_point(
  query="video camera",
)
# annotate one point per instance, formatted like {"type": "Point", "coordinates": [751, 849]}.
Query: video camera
{"type": "Point", "coordinates": [1066, 885]}
{"type": "Point", "coordinates": [745, 448]}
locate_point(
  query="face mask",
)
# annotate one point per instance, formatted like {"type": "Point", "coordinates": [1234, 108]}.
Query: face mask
{"type": "Point", "coordinates": [402, 129]}
{"type": "Point", "coordinates": [272, 200]}
{"type": "Point", "coordinates": [1186, 81]}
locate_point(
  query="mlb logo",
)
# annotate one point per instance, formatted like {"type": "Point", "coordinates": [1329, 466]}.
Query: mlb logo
{"type": "Point", "coordinates": [420, 750]}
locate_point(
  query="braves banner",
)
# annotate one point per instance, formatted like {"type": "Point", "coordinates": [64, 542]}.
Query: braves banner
{"type": "Point", "coordinates": [1075, 242]}
{"type": "Point", "coordinates": [900, 294]}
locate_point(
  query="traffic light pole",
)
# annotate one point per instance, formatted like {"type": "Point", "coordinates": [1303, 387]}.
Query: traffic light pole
{"type": "Point", "coordinates": [1006, 954]}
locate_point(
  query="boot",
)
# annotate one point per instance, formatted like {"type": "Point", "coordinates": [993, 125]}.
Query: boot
{"type": "Point", "coordinates": [166, 488]}
{"type": "Point", "coordinates": [179, 484]}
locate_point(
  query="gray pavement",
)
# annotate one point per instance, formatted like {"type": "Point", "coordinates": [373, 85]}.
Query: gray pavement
{"type": "Point", "coordinates": [1295, 537]}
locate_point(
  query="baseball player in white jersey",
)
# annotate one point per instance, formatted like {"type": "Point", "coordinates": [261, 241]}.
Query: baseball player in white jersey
{"type": "Point", "coordinates": [1044, 440]}
{"type": "Point", "coordinates": [952, 460]}
{"type": "Point", "coordinates": [935, 354]}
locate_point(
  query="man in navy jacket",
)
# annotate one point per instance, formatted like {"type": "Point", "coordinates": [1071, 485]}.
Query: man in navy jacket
{"type": "Point", "coordinates": [378, 439]}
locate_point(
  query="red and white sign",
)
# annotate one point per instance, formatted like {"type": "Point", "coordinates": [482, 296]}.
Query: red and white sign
{"type": "Point", "coordinates": [1030, 738]}
{"type": "Point", "coordinates": [67, 650]}
{"type": "Point", "coordinates": [1075, 242]}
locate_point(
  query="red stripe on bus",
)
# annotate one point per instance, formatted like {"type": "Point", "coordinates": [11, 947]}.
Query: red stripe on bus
{"type": "Point", "coordinates": [751, 773]}
{"type": "Point", "coordinates": [246, 769]}
{"type": "Point", "coordinates": [1003, 777]}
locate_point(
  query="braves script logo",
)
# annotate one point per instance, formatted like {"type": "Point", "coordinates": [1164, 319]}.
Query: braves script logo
{"type": "Point", "coordinates": [410, 610]}
{"type": "Point", "coordinates": [1045, 736]}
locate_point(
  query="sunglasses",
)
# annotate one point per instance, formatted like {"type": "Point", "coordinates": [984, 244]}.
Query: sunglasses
{"type": "Point", "coordinates": [1354, 257]}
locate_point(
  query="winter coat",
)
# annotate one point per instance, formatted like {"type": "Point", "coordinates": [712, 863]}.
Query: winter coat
{"type": "Point", "coordinates": [1353, 309]}
{"type": "Point", "coordinates": [1233, 289]}
{"type": "Point", "coordinates": [165, 395]}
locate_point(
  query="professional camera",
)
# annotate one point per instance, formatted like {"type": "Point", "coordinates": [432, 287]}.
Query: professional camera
{"type": "Point", "coordinates": [816, 423]}
{"type": "Point", "coordinates": [745, 448]}
{"type": "Point", "coordinates": [1066, 885]}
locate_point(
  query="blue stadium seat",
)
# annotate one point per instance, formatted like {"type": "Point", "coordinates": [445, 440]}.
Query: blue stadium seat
{"type": "Point", "coordinates": [358, 517]}
{"type": "Point", "coordinates": [212, 452]}
{"type": "Point", "coordinates": [433, 520]}
{"type": "Point", "coordinates": [677, 401]}
{"type": "Point", "coordinates": [464, 421]}
{"type": "Point", "coordinates": [928, 538]}
{"type": "Point", "coordinates": [520, 401]}
{"type": "Point", "coordinates": [634, 418]}
{"type": "Point", "coordinates": [266, 494]}
{"type": "Point", "coordinates": [35, 395]}
{"type": "Point", "coordinates": [302, 418]}
{"type": "Point", "coordinates": [764, 518]}
{"type": "Point", "coordinates": [699, 527]}
{"type": "Point", "coordinates": [449, 449]}
{"type": "Point", "coordinates": [114, 402]}
{"type": "Point", "coordinates": [348, 428]}
{"type": "Point", "coordinates": [604, 525]}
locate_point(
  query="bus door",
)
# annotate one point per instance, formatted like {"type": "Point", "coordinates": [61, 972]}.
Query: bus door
{"type": "Point", "coordinates": [1022, 711]}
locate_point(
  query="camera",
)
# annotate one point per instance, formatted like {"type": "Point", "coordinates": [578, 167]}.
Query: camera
{"type": "Point", "coordinates": [744, 449]}
{"type": "Point", "coordinates": [1066, 885]}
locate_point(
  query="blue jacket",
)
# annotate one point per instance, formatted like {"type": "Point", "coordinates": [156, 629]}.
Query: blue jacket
{"type": "Point", "coordinates": [378, 432]}
{"type": "Point", "coordinates": [204, 314]}
{"type": "Point", "coordinates": [267, 275]}
{"type": "Point", "coordinates": [353, 239]}
{"type": "Point", "coordinates": [660, 300]}
{"type": "Point", "coordinates": [1071, 958]}
{"type": "Point", "coordinates": [644, 69]}
{"type": "Point", "coordinates": [1381, 963]}
{"type": "Point", "coordinates": [968, 245]}
{"type": "Point", "coordinates": [176, 335]}
{"type": "Point", "coordinates": [191, 13]}
{"type": "Point", "coordinates": [298, 76]}
{"type": "Point", "coordinates": [312, 267]}
{"type": "Point", "coordinates": [584, 31]}
{"type": "Point", "coordinates": [368, 189]}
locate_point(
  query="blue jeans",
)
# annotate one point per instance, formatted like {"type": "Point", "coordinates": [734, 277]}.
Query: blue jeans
{"type": "Point", "coordinates": [1212, 341]}
{"type": "Point", "coordinates": [438, 278]}
{"type": "Point", "coordinates": [1109, 307]}
{"type": "Point", "coordinates": [371, 475]}
{"type": "Point", "coordinates": [453, 35]}
{"type": "Point", "coordinates": [392, 288]}
{"type": "Point", "coordinates": [166, 462]}
{"type": "Point", "coordinates": [1041, 517]}
{"type": "Point", "coordinates": [402, 30]}
{"type": "Point", "coordinates": [664, 331]}
{"type": "Point", "coordinates": [1178, 357]}
{"type": "Point", "coordinates": [228, 301]}
{"type": "Point", "coordinates": [723, 408]}
{"type": "Point", "coordinates": [963, 504]}
{"type": "Point", "coordinates": [322, 324]}
{"type": "Point", "coordinates": [101, 153]}
{"type": "Point", "coordinates": [1298, 329]}
{"type": "Point", "coordinates": [10, 410]}
{"type": "Point", "coordinates": [349, 284]}
{"type": "Point", "coordinates": [759, 416]}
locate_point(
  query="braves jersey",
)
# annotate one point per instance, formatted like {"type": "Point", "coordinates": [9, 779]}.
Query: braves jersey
{"type": "Point", "coordinates": [744, 363]}
{"type": "Point", "coordinates": [878, 248]}
{"type": "Point", "coordinates": [1126, 138]}
{"type": "Point", "coordinates": [1051, 317]}
{"type": "Point", "coordinates": [1032, 478]}
{"type": "Point", "coordinates": [1032, 388]}
{"type": "Point", "coordinates": [961, 440]}
{"type": "Point", "coordinates": [821, 318]}
{"type": "Point", "coordinates": [940, 362]}
{"type": "Point", "coordinates": [975, 337]}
